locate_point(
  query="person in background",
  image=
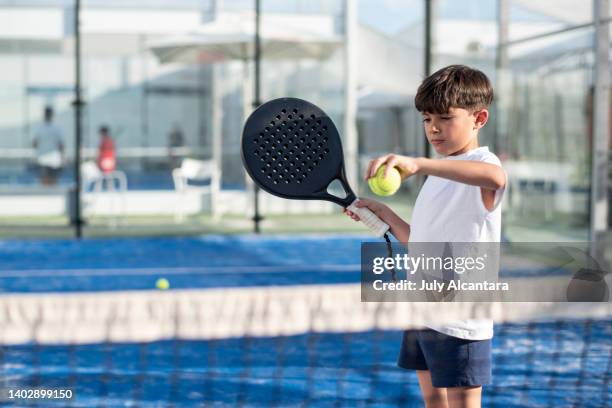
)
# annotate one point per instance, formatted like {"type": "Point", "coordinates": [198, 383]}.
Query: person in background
{"type": "Point", "coordinates": [49, 145]}
{"type": "Point", "coordinates": [106, 160]}
{"type": "Point", "coordinates": [175, 139]}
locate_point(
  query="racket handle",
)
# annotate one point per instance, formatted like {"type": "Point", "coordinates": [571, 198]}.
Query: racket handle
{"type": "Point", "coordinates": [375, 224]}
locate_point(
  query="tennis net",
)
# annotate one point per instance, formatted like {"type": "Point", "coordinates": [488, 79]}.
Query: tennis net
{"type": "Point", "coordinates": [314, 345]}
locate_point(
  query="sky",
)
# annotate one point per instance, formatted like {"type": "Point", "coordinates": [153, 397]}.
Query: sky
{"type": "Point", "coordinates": [391, 16]}
{"type": "Point", "coordinates": [386, 16]}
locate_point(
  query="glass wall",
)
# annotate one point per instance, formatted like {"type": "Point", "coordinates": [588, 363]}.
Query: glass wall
{"type": "Point", "coordinates": [390, 67]}
{"type": "Point", "coordinates": [159, 93]}
{"type": "Point", "coordinates": [38, 76]}
{"type": "Point", "coordinates": [541, 62]}
{"type": "Point", "coordinates": [549, 134]}
{"type": "Point", "coordinates": [546, 104]}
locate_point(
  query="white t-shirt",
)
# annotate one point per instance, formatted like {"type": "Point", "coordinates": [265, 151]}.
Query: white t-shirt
{"type": "Point", "coordinates": [48, 139]}
{"type": "Point", "coordinates": [449, 211]}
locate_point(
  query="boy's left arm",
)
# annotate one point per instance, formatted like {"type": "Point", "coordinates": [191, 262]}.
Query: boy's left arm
{"type": "Point", "coordinates": [487, 176]}
{"type": "Point", "coordinates": [484, 175]}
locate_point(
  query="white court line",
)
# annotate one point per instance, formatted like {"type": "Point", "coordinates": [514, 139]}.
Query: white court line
{"type": "Point", "coordinates": [175, 271]}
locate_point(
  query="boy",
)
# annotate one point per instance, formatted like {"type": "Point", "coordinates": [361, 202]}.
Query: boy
{"type": "Point", "coordinates": [459, 202]}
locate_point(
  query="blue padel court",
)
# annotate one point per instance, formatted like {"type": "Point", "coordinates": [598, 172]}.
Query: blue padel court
{"type": "Point", "coordinates": [536, 364]}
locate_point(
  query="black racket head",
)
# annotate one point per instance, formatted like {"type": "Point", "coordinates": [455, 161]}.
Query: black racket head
{"type": "Point", "coordinates": [292, 149]}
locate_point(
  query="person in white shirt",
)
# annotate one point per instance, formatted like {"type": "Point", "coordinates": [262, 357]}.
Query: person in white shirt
{"type": "Point", "coordinates": [459, 202]}
{"type": "Point", "coordinates": [49, 145]}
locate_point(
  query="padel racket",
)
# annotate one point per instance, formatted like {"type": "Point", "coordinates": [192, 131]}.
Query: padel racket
{"type": "Point", "coordinates": [292, 149]}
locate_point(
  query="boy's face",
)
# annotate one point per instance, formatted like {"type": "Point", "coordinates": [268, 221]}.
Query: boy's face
{"type": "Point", "coordinates": [454, 132]}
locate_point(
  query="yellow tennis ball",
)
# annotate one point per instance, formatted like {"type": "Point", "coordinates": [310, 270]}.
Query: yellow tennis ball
{"type": "Point", "coordinates": [162, 284]}
{"type": "Point", "coordinates": [385, 186]}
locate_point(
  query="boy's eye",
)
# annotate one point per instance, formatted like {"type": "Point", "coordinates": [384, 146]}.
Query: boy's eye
{"type": "Point", "coordinates": [446, 117]}
{"type": "Point", "coordinates": [426, 119]}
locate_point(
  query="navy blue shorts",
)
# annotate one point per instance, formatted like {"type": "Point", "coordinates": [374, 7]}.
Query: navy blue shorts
{"type": "Point", "coordinates": [452, 362]}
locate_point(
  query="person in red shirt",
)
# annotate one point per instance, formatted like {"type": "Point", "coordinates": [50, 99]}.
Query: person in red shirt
{"type": "Point", "coordinates": [106, 151]}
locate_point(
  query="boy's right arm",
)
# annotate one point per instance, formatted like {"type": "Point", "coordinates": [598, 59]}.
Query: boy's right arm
{"type": "Point", "coordinates": [398, 227]}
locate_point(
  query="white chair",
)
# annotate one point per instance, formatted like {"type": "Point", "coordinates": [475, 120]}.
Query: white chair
{"type": "Point", "coordinates": [538, 184]}
{"type": "Point", "coordinates": [92, 178]}
{"type": "Point", "coordinates": [197, 171]}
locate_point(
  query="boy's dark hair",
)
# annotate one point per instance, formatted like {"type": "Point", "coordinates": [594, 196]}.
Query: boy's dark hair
{"type": "Point", "coordinates": [455, 86]}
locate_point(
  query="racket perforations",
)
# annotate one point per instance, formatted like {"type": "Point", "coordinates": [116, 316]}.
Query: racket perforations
{"type": "Point", "coordinates": [291, 146]}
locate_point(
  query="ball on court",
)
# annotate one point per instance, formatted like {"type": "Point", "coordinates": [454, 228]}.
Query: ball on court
{"type": "Point", "coordinates": [385, 186]}
{"type": "Point", "coordinates": [162, 284]}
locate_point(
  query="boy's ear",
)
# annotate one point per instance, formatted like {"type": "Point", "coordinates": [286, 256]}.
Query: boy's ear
{"type": "Point", "coordinates": [481, 118]}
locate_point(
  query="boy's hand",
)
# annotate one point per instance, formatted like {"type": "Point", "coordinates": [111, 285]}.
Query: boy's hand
{"type": "Point", "coordinates": [379, 209]}
{"type": "Point", "coordinates": [399, 228]}
{"type": "Point", "coordinates": [407, 166]}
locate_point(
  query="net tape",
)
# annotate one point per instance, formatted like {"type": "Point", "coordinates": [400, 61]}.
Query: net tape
{"type": "Point", "coordinates": [140, 316]}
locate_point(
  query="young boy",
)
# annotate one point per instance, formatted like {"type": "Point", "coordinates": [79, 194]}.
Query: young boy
{"type": "Point", "coordinates": [459, 202]}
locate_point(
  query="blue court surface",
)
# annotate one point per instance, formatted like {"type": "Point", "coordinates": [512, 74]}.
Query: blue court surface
{"type": "Point", "coordinates": [543, 364]}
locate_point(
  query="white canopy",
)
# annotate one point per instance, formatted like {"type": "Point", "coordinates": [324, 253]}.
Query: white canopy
{"type": "Point", "coordinates": [231, 37]}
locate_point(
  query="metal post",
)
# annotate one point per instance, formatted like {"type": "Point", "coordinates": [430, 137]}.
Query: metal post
{"type": "Point", "coordinates": [600, 147]}
{"type": "Point", "coordinates": [350, 95]}
{"type": "Point", "coordinates": [501, 73]}
{"type": "Point", "coordinates": [427, 58]}
{"type": "Point", "coordinates": [78, 104]}
{"type": "Point", "coordinates": [427, 51]}
{"type": "Point", "coordinates": [257, 101]}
